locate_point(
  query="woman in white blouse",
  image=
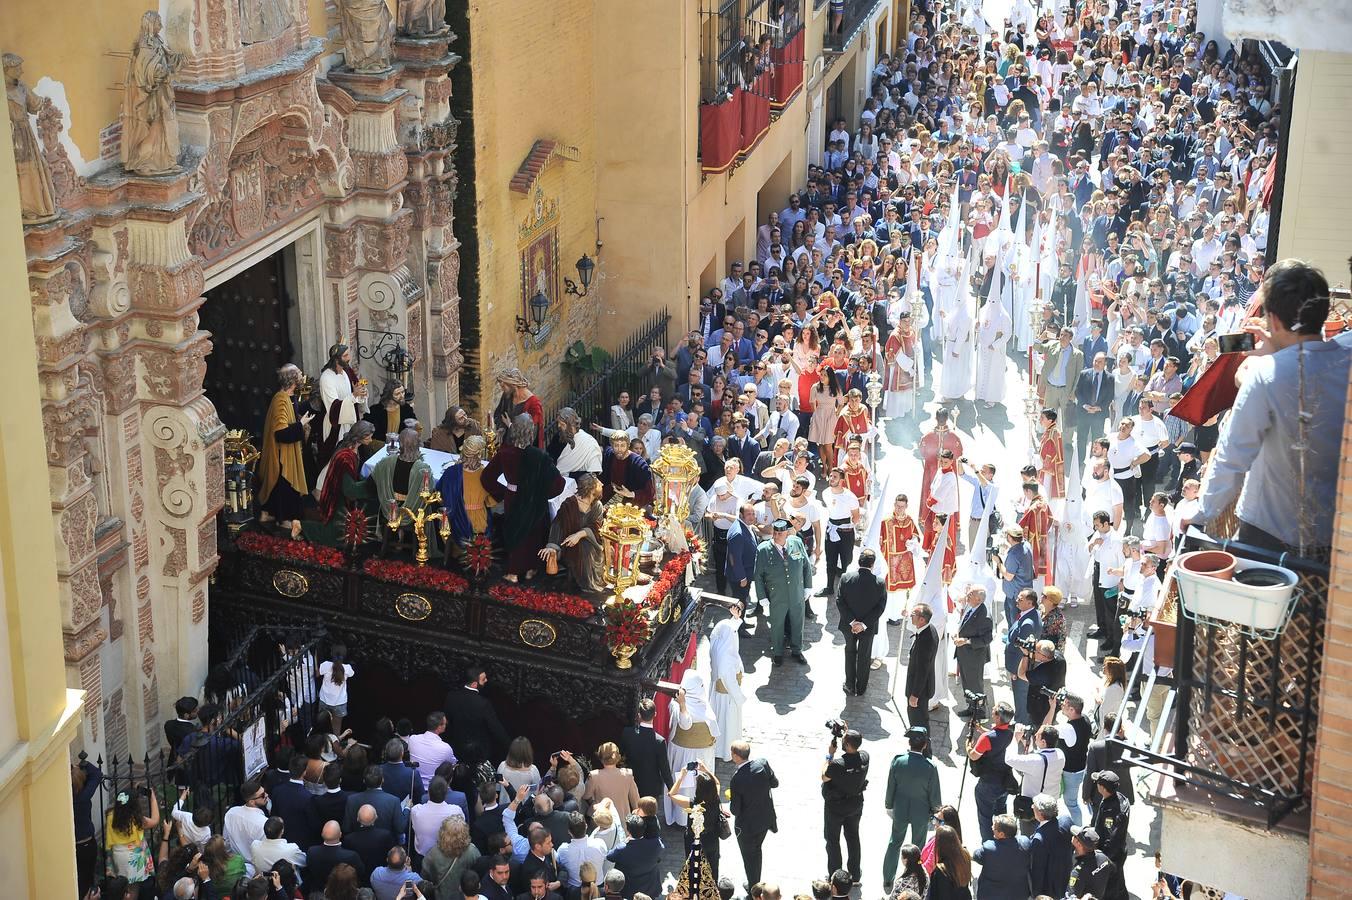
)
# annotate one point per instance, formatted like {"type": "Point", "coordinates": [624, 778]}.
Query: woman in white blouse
{"type": "Point", "coordinates": [621, 416]}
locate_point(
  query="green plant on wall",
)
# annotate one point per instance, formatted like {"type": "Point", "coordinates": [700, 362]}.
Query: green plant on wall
{"type": "Point", "coordinates": [582, 364]}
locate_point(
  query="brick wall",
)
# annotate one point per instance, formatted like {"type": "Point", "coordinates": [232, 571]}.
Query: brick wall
{"type": "Point", "coordinates": [1331, 824]}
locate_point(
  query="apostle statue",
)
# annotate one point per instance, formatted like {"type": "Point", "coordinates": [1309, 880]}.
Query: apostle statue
{"type": "Point", "coordinates": [401, 477]}
{"type": "Point", "coordinates": [341, 394]}
{"type": "Point", "coordinates": [422, 18]}
{"type": "Point", "coordinates": [149, 120]}
{"type": "Point", "coordinates": [262, 20]}
{"type": "Point", "coordinates": [523, 478]}
{"type": "Point", "coordinates": [281, 470]}
{"type": "Point", "coordinates": [455, 428]}
{"type": "Point", "coordinates": [464, 497]}
{"type": "Point", "coordinates": [625, 473]}
{"type": "Point", "coordinates": [574, 450]}
{"type": "Point", "coordinates": [391, 411]}
{"type": "Point", "coordinates": [517, 398]}
{"type": "Point", "coordinates": [574, 537]}
{"type": "Point", "coordinates": [37, 198]}
{"type": "Point", "coordinates": [345, 464]}
{"type": "Point", "coordinates": [368, 35]}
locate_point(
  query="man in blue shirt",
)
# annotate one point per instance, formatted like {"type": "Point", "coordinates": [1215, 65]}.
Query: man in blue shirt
{"type": "Point", "coordinates": [1016, 573]}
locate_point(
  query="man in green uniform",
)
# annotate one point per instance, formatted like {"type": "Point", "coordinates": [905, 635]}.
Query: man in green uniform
{"type": "Point", "coordinates": [911, 799]}
{"type": "Point", "coordinates": [783, 574]}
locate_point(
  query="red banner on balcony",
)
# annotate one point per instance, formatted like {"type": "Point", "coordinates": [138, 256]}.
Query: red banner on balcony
{"type": "Point", "coordinates": [756, 111]}
{"type": "Point", "coordinates": [788, 71]}
{"type": "Point", "coordinates": [720, 134]}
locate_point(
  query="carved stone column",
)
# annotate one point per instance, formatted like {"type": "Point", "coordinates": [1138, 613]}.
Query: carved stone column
{"type": "Point", "coordinates": [180, 434]}
{"type": "Point", "coordinates": [428, 133]}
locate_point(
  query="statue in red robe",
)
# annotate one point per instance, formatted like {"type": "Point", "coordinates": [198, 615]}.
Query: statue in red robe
{"type": "Point", "coordinates": [941, 438]}
{"type": "Point", "coordinates": [625, 473]}
{"type": "Point", "coordinates": [897, 531]}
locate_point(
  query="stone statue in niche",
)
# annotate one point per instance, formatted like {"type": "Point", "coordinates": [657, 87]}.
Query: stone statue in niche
{"type": "Point", "coordinates": [262, 20]}
{"type": "Point", "coordinates": [149, 119]}
{"type": "Point", "coordinates": [37, 198]}
{"type": "Point", "coordinates": [422, 18]}
{"type": "Point", "coordinates": [368, 35]}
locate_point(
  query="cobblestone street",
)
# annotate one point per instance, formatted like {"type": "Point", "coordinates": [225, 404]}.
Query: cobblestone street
{"type": "Point", "coordinates": [787, 708]}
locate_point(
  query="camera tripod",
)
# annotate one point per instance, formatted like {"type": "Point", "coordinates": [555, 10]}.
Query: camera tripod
{"type": "Point", "coordinates": [969, 734]}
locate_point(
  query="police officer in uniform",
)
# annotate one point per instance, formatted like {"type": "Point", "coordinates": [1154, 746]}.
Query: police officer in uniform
{"type": "Point", "coordinates": [1112, 813]}
{"type": "Point", "coordinates": [994, 780]}
{"type": "Point", "coordinates": [843, 782]}
{"type": "Point", "coordinates": [1093, 873]}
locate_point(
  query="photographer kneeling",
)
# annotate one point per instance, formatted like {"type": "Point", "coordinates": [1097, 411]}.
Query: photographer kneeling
{"type": "Point", "coordinates": [1045, 671]}
{"type": "Point", "coordinates": [843, 784]}
{"type": "Point", "coordinates": [994, 778]}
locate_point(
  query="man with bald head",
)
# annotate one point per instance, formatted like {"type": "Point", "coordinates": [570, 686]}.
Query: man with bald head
{"type": "Point", "coordinates": [321, 858]}
{"type": "Point", "coordinates": [370, 841]}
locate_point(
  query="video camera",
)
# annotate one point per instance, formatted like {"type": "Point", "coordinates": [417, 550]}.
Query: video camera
{"type": "Point", "coordinates": [1057, 696]}
{"type": "Point", "coordinates": [976, 701]}
{"type": "Point", "coordinates": [837, 728]}
{"type": "Point", "coordinates": [1027, 645]}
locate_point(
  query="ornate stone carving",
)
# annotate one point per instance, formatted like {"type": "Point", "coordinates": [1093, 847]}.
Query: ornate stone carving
{"type": "Point", "coordinates": [263, 20]}
{"type": "Point", "coordinates": [37, 196]}
{"type": "Point", "coordinates": [340, 251]}
{"type": "Point", "coordinates": [65, 180]}
{"type": "Point", "coordinates": [150, 144]}
{"type": "Point", "coordinates": [176, 487]}
{"type": "Point", "coordinates": [368, 35]}
{"type": "Point", "coordinates": [77, 523]}
{"type": "Point", "coordinates": [176, 557]}
{"type": "Point", "coordinates": [422, 18]}
{"type": "Point", "coordinates": [86, 598]}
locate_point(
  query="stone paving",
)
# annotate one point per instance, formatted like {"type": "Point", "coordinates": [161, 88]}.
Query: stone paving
{"type": "Point", "coordinates": [787, 708]}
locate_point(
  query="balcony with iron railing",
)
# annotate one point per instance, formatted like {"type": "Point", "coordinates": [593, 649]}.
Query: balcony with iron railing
{"type": "Point", "coordinates": [1226, 739]}
{"type": "Point", "coordinates": [843, 29]}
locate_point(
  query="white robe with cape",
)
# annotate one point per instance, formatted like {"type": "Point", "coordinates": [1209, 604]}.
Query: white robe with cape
{"type": "Point", "coordinates": [336, 386]}
{"type": "Point", "coordinates": [1073, 566]}
{"type": "Point", "coordinates": [697, 709]}
{"type": "Point", "coordinates": [956, 373]}
{"type": "Point", "coordinates": [725, 667]}
{"type": "Point", "coordinates": [992, 336]}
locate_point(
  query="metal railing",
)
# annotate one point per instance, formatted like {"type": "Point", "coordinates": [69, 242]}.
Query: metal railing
{"type": "Point", "coordinates": [592, 401]}
{"type": "Point", "coordinates": [1245, 709]}
{"type": "Point", "coordinates": [837, 37]}
{"type": "Point", "coordinates": [265, 687]}
{"type": "Point", "coordinates": [727, 27]}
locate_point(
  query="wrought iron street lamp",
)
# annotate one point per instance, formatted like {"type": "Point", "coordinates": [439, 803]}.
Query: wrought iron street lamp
{"type": "Point", "coordinates": [585, 266]}
{"type": "Point", "coordinates": [539, 311]}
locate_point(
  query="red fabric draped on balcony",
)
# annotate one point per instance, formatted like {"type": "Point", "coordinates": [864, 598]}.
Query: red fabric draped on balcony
{"type": "Point", "coordinates": [788, 71]}
{"type": "Point", "coordinates": [720, 134]}
{"type": "Point", "coordinates": [756, 111]}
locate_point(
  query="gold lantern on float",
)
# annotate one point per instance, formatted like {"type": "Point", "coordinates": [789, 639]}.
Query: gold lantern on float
{"type": "Point", "coordinates": [677, 470]}
{"type": "Point", "coordinates": [240, 456]}
{"type": "Point", "coordinates": [623, 533]}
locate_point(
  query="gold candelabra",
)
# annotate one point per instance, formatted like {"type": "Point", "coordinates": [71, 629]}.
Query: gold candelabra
{"type": "Point", "coordinates": [419, 519]}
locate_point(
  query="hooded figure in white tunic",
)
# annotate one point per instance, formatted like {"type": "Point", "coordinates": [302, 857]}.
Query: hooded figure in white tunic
{"type": "Point", "coordinates": [956, 375]}
{"type": "Point", "coordinates": [992, 336]}
{"type": "Point", "coordinates": [694, 733]}
{"type": "Point", "coordinates": [725, 668]}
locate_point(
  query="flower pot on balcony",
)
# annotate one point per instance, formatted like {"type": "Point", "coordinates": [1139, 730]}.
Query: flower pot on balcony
{"type": "Point", "coordinates": [1164, 621]}
{"type": "Point", "coordinates": [1257, 597]}
{"type": "Point", "coordinates": [1216, 563]}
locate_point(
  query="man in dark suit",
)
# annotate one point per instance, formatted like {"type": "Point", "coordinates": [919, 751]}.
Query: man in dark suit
{"type": "Point", "coordinates": [320, 859]}
{"type": "Point", "coordinates": [332, 804]}
{"type": "Point", "coordinates": [474, 730]}
{"type": "Point", "coordinates": [740, 565]}
{"type": "Point", "coordinates": [645, 752]}
{"type": "Point", "coordinates": [1102, 755]}
{"type": "Point", "coordinates": [920, 667]}
{"type": "Point", "coordinates": [368, 840]}
{"type": "Point", "coordinates": [1093, 396]}
{"type": "Point", "coordinates": [497, 877]}
{"type": "Point", "coordinates": [1051, 854]}
{"type": "Point", "coordinates": [860, 602]}
{"type": "Point", "coordinates": [178, 728]}
{"type": "Point", "coordinates": [640, 860]}
{"type": "Point", "coordinates": [741, 444]}
{"type": "Point", "coordinates": [294, 804]}
{"type": "Point", "coordinates": [401, 778]}
{"type": "Point", "coordinates": [537, 889]}
{"type": "Point", "coordinates": [1004, 862]}
{"type": "Point", "coordinates": [539, 861]}
{"type": "Point", "coordinates": [752, 806]}
{"type": "Point", "coordinates": [389, 814]}
{"type": "Point", "coordinates": [489, 822]}
{"type": "Point", "coordinates": [973, 644]}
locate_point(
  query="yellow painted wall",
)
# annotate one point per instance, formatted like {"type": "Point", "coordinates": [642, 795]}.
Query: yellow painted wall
{"type": "Point", "coordinates": [37, 853]}
{"type": "Point", "coordinates": [1317, 194]}
{"type": "Point", "coordinates": [533, 79]}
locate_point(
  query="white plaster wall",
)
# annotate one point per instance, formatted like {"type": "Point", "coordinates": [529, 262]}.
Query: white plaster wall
{"type": "Point", "coordinates": [1299, 24]}
{"type": "Point", "coordinates": [1225, 854]}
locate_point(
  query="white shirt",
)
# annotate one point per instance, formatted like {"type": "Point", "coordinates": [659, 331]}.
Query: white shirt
{"type": "Point", "coordinates": [739, 489]}
{"type": "Point", "coordinates": [1100, 496]}
{"type": "Point", "coordinates": [779, 424]}
{"type": "Point", "coordinates": [265, 854]}
{"type": "Point", "coordinates": [337, 386]}
{"type": "Point", "coordinates": [1108, 555]}
{"type": "Point", "coordinates": [583, 456]}
{"type": "Point", "coordinates": [1157, 528]}
{"type": "Point", "coordinates": [331, 694]}
{"type": "Point", "coordinates": [944, 491]}
{"type": "Point", "coordinates": [188, 831]}
{"type": "Point", "coordinates": [242, 826]}
{"type": "Point", "coordinates": [1150, 432]}
{"type": "Point", "coordinates": [429, 751]}
{"type": "Point", "coordinates": [840, 505]}
{"type": "Point", "coordinates": [1030, 766]}
{"type": "Point", "coordinates": [1143, 599]}
{"type": "Point", "coordinates": [1120, 456]}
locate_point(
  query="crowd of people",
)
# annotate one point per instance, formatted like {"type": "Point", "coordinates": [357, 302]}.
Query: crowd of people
{"type": "Point", "coordinates": [1078, 197]}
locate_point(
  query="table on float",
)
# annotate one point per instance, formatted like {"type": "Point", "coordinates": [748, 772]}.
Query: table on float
{"type": "Point", "coordinates": [439, 461]}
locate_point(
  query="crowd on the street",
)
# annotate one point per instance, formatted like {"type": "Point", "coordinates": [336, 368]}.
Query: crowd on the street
{"type": "Point", "coordinates": [1080, 196]}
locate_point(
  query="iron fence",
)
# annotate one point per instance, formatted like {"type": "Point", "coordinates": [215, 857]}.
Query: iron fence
{"type": "Point", "coordinates": [266, 691]}
{"type": "Point", "coordinates": [1245, 709]}
{"type": "Point", "coordinates": [730, 27]}
{"type": "Point", "coordinates": [627, 371]}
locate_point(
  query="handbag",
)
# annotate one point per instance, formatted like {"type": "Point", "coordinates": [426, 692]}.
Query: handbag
{"type": "Point", "coordinates": [724, 826]}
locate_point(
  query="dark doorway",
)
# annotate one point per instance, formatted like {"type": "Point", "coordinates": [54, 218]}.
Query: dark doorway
{"type": "Point", "coordinates": [247, 318]}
